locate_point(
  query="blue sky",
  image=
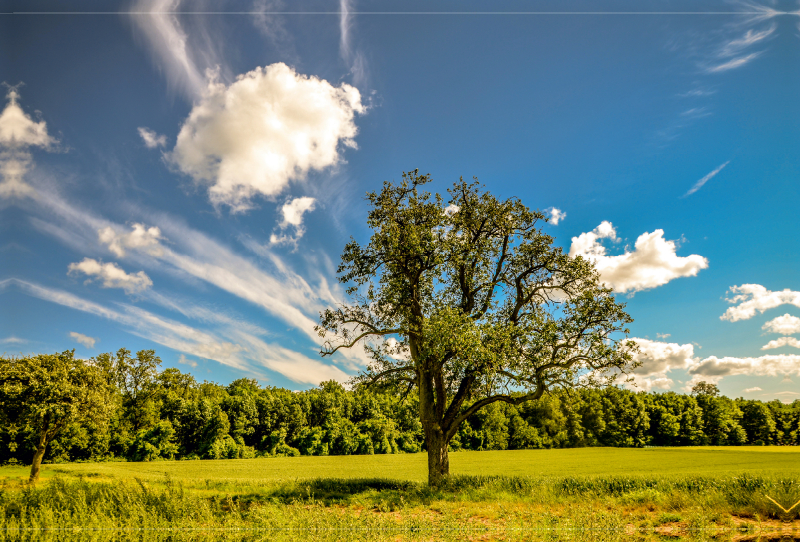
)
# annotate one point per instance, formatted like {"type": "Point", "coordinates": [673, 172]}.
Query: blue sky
{"type": "Point", "coordinates": [184, 180]}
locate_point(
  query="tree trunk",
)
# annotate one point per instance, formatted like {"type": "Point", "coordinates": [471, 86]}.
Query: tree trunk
{"type": "Point", "coordinates": [37, 457]}
{"type": "Point", "coordinates": [438, 461]}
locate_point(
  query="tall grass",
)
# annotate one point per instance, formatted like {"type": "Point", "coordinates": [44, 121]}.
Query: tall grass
{"type": "Point", "coordinates": [374, 505]}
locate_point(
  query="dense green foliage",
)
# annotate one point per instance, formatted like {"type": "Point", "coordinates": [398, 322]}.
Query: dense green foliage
{"type": "Point", "coordinates": [43, 395]}
{"type": "Point", "coordinates": [169, 415]}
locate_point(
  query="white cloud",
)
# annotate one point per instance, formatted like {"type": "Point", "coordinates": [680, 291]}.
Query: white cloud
{"type": "Point", "coordinates": [111, 275]}
{"type": "Point", "coordinates": [268, 128]}
{"type": "Point", "coordinates": [183, 360]}
{"type": "Point", "coordinates": [752, 298]}
{"type": "Point", "coordinates": [733, 64]}
{"type": "Point", "coordinates": [556, 215]}
{"type": "Point", "coordinates": [653, 262]}
{"type": "Point", "coordinates": [783, 341]}
{"type": "Point", "coordinates": [657, 359]}
{"type": "Point", "coordinates": [768, 365]}
{"type": "Point", "coordinates": [168, 42]}
{"type": "Point", "coordinates": [451, 209]}
{"type": "Point", "coordinates": [18, 132]}
{"type": "Point", "coordinates": [85, 340]}
{"type": "Point", "coordinates": [785, 325]}
{"type": "Point", "coordinates": [292, 213]}
{"type": "Point", "coordinates": [140, 237]}
{"type": "Point", "coordinates": [751, 37]}
{"type": "Point", "coordinates": [699, 184]}
{"type": "Point", "coordinates": [751, 390]}
{"type": "Point", "coordinates": [292, 296]}
{"type": "Point", "coordinates": [151, 139]}
{"type": "Point", "coordinates": [663, 335]}
{"type": "Point", "coordinates": [731, 54]}
{"type": "Point", "coordinates": [230, 346]}
{"type": "Point", "coordinates": [355, 59]}
{"type": "Point", "coordinates": [13, 340]}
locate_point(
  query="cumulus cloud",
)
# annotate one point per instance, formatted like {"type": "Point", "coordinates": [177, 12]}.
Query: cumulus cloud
{"type": "Point", "coordinates": [111, 275]}
{"type": "Point", "coordinates": [18, 133]}
{"type": "Point", "coordinates": [663, 335]}
{"type": "Point", "coordinates": [653, 262]}
{"type": "Point", "coordinates": [699, 184]}
{"type": "Point", "coordinates": [270, 127]}
{"type": "Point", "coordinates": [85, 340]}
{"type": "Point", "coordinates": [657, 359]}
{"type": "Point", "coordinates": [752, 298]}
{"type": "Point", "coordinates": [767, 365]}
{"type": "Point", "coordinates": [785, 325]}
{"type": "Point", "coordinates": [292, 213]}
{"type": "Point", "coordinates": [750, 390]}
{"type": "Point", "coordinates": [556, 215]}
{"type": "Point", "coordinates": [451, 209]}
{"type": "Point", "coordinates": [151, 139]}
{"type": "Point", "coordinates": [140, 237]}
{"type": "Point", "coordinates": [783, 341]}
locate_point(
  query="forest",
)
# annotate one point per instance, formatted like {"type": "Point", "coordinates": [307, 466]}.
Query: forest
{"type": "Point", "coordinates": [153, 414]}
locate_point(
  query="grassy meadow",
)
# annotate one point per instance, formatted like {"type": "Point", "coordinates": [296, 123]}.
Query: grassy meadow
{"type": "Point", "coordinates": [610, 490]}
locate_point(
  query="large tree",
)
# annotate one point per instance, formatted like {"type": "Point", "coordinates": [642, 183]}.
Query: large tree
{"type": "Point", "coordinates": [468, 303]}
{"type": "Point", "coordinates": [48, 393]}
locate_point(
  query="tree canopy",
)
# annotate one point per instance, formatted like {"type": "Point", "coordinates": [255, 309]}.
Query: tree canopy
{"type": "Point", "coordinates": [48, 392]}
{"type": "Point", "coordinates": [466, 301]}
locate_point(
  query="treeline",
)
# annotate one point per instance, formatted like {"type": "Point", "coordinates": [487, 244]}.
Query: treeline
{"type": "Point", "coordinates": [152, 414]}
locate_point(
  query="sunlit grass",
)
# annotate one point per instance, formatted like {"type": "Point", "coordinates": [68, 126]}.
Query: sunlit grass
{"type": "Point", "coordinates": [562, 490]}
{"type": "Point", "coordinates": [413, 467]}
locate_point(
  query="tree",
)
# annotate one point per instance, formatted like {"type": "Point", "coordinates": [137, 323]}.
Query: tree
{"type": "Point", "coordinates": [49, 392]}
{"type": "Point", "coordinates": [467, 303]}
{"type": "Point", "coordinates": [703, 388]}
{"type": "Point", "coordinates": [136, 378]}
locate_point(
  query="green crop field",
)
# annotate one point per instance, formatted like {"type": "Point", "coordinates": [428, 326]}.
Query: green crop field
{"type": "Point", "coordinates": [413, 467]}
{"type": "Point", "coordinates": [611, 489]}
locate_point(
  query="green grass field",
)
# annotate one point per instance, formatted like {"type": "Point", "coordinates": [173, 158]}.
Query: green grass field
{"type": "Point", "coordinates": [706, 461]}
{"type": "Point", "coordinates": [570, 490]}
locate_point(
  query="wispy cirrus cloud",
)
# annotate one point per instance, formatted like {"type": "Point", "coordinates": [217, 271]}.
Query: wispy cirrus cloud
{"type": "Point", "coordinates": [735, 48]}
{"type": "Point", "coordinates": [699, 184]}
{"type": "Point", "coordinates": [230, 346]}
{"type": "Point", "coordinates": [158, 22]}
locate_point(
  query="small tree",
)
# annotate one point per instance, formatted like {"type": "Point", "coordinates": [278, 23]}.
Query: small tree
{"type": "Point", "coordinates": [468, 302]}
{"type": "Point", "coordinates": [49, 392]}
